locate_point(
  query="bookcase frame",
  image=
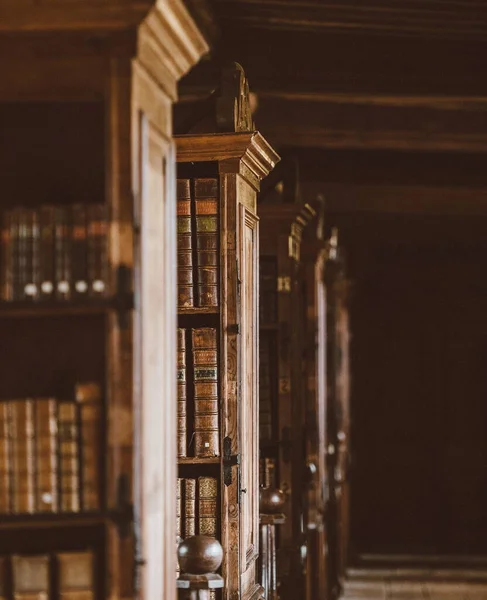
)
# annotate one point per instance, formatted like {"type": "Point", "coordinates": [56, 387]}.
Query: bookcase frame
{"type": "Point", "coordinates": [129, 58]}
{"type": "Point", "coordinates": [243, 159]}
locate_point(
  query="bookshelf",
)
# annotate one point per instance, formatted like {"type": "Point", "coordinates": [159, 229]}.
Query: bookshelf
{"type": "Point", "coordinates": [219, 176]}
{"type": "Point", "coordinates": [86, 125]}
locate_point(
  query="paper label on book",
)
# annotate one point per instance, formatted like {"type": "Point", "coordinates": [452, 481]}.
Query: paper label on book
{"type": "Point", "coordinates": [99, 285]}
{"type": "Point", "coordinates": [47, 287]}
{"type": "Point", "coordinates": [63, 287]}
{"type": "Point", "coordinates": [81, 286]}
{"type": "Point", "coordinates": [30, 289]}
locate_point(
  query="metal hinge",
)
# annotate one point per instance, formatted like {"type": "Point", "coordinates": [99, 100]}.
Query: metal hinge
{"type": "Point", "coordinates": [229, 460]}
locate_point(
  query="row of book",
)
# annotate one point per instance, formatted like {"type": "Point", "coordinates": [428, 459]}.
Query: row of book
{"type": "Point", "coordinates": [31, 576]}
{"type": "Point", "coordinates": [50, 453]}
{"type": "Point", "coordinates": [198, 233]}
{"type": "Point", "coordinates": [197, 510]}
{"type": "Point", "coordinates": [267, 472]}
{"type": "Point", "coordinates": [55, 252]}
{"type": "Point", "coordinates": [202, 369]}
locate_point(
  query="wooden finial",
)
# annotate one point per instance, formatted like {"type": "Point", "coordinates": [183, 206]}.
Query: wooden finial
{"type": "Point", "coordinates": [199, 557]}
{"type": "Point", "coordinates": [271, 501]}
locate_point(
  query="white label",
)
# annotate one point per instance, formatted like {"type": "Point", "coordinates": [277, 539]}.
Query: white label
{"type": "Point", "coordinates": [47, 287]}
{"type": "Point", "coordinates": [81, 286]}
{"type": "Point", "coordinates": [30, 289]}
{"type": "Point", "coordinates": [99, 285]}
{"type": "Point", "coordinates": [63, 287]}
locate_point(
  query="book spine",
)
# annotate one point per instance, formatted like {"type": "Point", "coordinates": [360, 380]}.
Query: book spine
{"type": "Point", "coordinates": [79, 250]}
{"type": "Point", "coordinates": [23, 498]}
{"type": "Point", "coordinates": [181, 358]}
{"type": "Point", "coordinates": [206, 210]}
{"type": "Point", "coordinates": [46, 455]}
{"type": "Point", "coordinates": [23, 251]}
{"type": "Point", "coordinates": [76, 575]}
{"type": "Point", "coordinates": [189, 507]}
{"type": "Point", "coordinates": [5, 461]}
{"type": "Point", "coordinates": [15, 237]}
{"type": "Point", "coordinates": [63, 253]}
{"type": "Point", "coordinates": [267, 472]}
{"type": "Point", "coordinates": [30, 577]}
{"type": "Point", "coordinates": [89, 396]}
{"type": "Point", "coordinates": [7, 256]}
{"type": "Point", "coordinates": [185, 245]}
{"type": "Point", "coordinates": [30, 279]}
{"type": "Point", "coordinates": [265, 391]}
{"type": "Point", "coordinates": [207, 506]}
{"type": "Point", "coordinates": [68, 457]}
{"type": "Point", "coordinates": [179, 512]}
{"type": "Point", "coordinates": [205, 360]}
{"type": "Point", "coordinates": [97, 242]}
{"type": "Point", "coordinates": [47, 278]}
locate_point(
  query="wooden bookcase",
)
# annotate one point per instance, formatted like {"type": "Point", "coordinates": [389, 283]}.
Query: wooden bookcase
{"type": "Point", "coordinates": [281, 229]}
{"type": "Point", "coordinates": [238, 161]}
{"type": "Point", "coordinates": [86, 118]}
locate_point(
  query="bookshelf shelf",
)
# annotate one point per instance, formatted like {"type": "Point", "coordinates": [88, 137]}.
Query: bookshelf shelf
{"type": "Point", "coordinates": [199, 311]}
{"type": "Point", "coordinates": [26, 309]}
{"type": "Point", "coordinates": [199, 461]}
{"type": "Point", "coordinates": [9, 521]}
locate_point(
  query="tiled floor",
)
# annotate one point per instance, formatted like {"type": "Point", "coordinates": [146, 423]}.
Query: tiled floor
{"type": "Point", "coordinates": [429, 587]}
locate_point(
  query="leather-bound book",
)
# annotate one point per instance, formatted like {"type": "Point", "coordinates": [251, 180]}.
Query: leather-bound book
{"type": "Point", "coordinates": [185, 246]}
{"type": "Point", "coordinates": [23, 246]}
{"type": "Point", "coordinates": [189, 507]}
{"type": "Point", "coordinates": [267, 472]}
{"type": "Point", "coordinates": [179, 512]}
{"type": "Point", "coordinates": [76, 575]}
{"type": "Point", "coordinates": [30, 260]}
{"type": "Point", "coordinates": [97, 242]}
{"type": "Point", "coordinates": [207, 506]}
{"type": "Point", "coordinates": [268, 290]}
{"type": "Point", "coordinates": [62, 231]}
{"type": "Point", "coordinates": [206, 209]}
{"type": "Point", "coordinates": [15, 242]}
{"type": "Point", "coordinates": [5, 458]}
{"type": "Point", "coordinates": [265, 390]}
{"type": "Point", "coordinates": [181, 357]}
{"type": "Point", "coordinates": [23, 497]}
{"type": "Point", "coordinates": [30, 576]}
{"type": "Point", "coordinates": [8, 231]}
{"type": "Point", "coordinates": [205, 360]}
{"type": "Point", "coordinates": [89, 396]}
{"type": "Point", "coordinates": [68, 457]}
{"type": "Point", "coordinates": [46, 454]}
{"type": "Point", "coordinates": [79, 266]}
{"type": "Point", "coordinates": [47, 276]}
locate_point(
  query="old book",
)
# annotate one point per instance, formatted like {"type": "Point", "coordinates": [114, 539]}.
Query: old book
{"type": "Point", "coordinates": [268, 290]}
{"type": "Point", "coordinates": [205, 361]}
{"type": "Point", "coordinates": [206, 210]}
{"type": "Point", "coordinates": [97, 245]}
{"type": "Point", "coordinates": [267, 472]}
{"type": "Point", "coordinates": [179, 512]}
{"type": "Point", "coordinates": [30, 257]}
{"type": "Point", "coordinates": [68, 457]}
{"type": "Point", "coordinates": [181, 358]}
{"type": "Point", "coordinates": [189, 503]}
{"type": "Point", "coordinates": [62, 232]}
{"type": "Point", "coordinates": [15, 237]}
{"type": "Point", "coordinates": [265, 390]}
{"type": "Point", "coordinates": [79, 260]}
{"type": "Point", "coordinates": [30, 576]}
{"type": "Point", "coordinates": [23, 245]}
{"type": "Point", "coordinates": [207, 505]}
{"type": "Point", "coordinates": [89, 396]}
{"type": "Point", "coordinates": [185, 246]}
{"type": "Point", "coordinates": [47, 278]}
{"type": "Point", "coordinates": [23, 497]}
{"type": "Point", "coordinates": [76, 575]}
{"type": "Point", "coordinates": [5, 458]}
{"type": "Point", "coordinates": [8, 233]}
{"type": "Point", "coordinates": [46, 454]}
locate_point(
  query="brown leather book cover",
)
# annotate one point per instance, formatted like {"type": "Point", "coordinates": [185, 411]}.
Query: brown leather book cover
{"type": "Point", "coordinates": [206, 209]}
{"type": "Point", "coordinates": [97, 247]}
{"type": "Point", "coordinates": [23, 497]}
{"type": "Point", "coordinates": [68, 457]}
{"type": "Point", "coordinates": [5, 458]}
{"type": "Point", "coordinates": [181, 358]}
{"type": "Point", "coordinates": [76, 575]}
{"type": "Point", "coordinates": [89, 396]}
{"type": "Point", "coordinates": [189, 507]}
{"type": "Point", "coordinates": [8, 220]}
{"type": "Point", "coordinates": [62, 231]}
{"type": "Point", "coordinates": [30, 576]}
{"type": "Point", "coordinates": [185, 244]}
{"type": "Point", "coordinates": [30, 259]}
{"type": "Point", "coordinates": [47, 277]}
{"type": "Point", "coordinates": [205, 361]}
{"type": "Point", "coordinates": [79, 250]}
{"type": "Point", "coordinates": [15, 244]}
{"type": "Point", "coordinates": [46, 454]}
{"type": "Point", "coordinates": [207, 506]}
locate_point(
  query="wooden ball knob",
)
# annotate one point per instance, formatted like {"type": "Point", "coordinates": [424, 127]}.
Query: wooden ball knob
{"type": "Point", "coordinates": [271, 501]}
{"type": "Point", "coordinates": [200, 554]}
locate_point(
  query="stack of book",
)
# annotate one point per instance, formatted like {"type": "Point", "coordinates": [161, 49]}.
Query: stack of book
{"type": "Point", "coordinates": [198, 248]}
{"type": "Point", "coordinates": [54, 252]}
{"type": "Point", "coordinates": [197, 507]}
{"type": "Point", "coordinates": [32, 576]}
{"type": "Point", "coordinates": [47, 448]}
{"type": "Point", "coordinates": [202, 362]}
